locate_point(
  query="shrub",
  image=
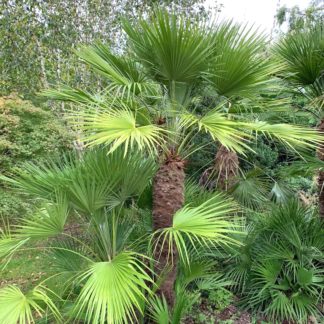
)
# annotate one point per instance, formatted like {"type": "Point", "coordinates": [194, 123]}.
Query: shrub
{"type": "Point", "coordinates": [279, 269]}
{"type": "Point", "coordinates": [12, 206]}
{"type": "Point", "coordinates": [26, 133]}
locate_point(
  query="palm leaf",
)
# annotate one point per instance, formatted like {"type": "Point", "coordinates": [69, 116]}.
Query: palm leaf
{"type": "Point", "coordinates": [239, 67]}
{"type": "Point", "coordinates": [303, 55]}
{"type": "Point", "coordinates": [89, 183]}
{"type": "Point", "coordinates": [204, 225]}
{"type": "Point", "coordinates": [49, 222]}
{"type": "Point", "coordinates": [306, 167]}
{"type": "Point", "coordinates": [113, 290]}
{"type": "Point", "coordinates": [228, 132]}
{"type": "Point", "coordinates": [251, 189]}
{"type": "Point", "coordinates": [66, 93]}
{"type": "Point", "coordinates": [173, 49]}
{"type": "Point", "coordinates": [17, 307]}
{"type": "Point", "coordinates": [293, 136]}
{"type": "Point", "coordinates": [159, 310]}
{"type": "Point", "coordinates": [125, 75]}
{"type": "Point", "coordinates": [117, 128]}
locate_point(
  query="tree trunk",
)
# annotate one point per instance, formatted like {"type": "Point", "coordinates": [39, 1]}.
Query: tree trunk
{"type": "Point", "coordinates": [320, 154]}
{"type": "Point", "coordinates": [43, 76]}
{"type": "Point", "coordinates": [168, 197]}
{"type": "Point", "coordinates": [224, 171]}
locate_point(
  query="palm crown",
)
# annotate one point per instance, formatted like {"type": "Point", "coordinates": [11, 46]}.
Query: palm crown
{"type": "Point", "coordinates": [169, 58]}
{"type": "Point", "coordinates": [303, 57]}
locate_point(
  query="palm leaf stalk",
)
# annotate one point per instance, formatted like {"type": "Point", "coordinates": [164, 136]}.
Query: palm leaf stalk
{"type": "Point", "coordinates": [176, 56]}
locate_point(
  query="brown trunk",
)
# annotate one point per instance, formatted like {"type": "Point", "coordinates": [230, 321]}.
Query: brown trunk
{"type": "Point", "coordinates": [320, 154]}
{"type": "Point", "coordinates": [224, 171]}
{"type": "Point", "coordinates": [168, 197]}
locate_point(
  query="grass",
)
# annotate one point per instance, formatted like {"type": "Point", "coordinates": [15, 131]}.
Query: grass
{"type": "Point", "coordinates": [26, 268]}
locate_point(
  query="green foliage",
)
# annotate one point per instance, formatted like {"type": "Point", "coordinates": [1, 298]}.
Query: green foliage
{"type": "Point", "coordinates": [279, 270]}
{"type": "Point", "coordinates": [13, 206]}
{"type": "Point", "coordinates": [302, 54]}
{"type": "Point", "coordinates": [266, 157]}
{"type": "Point", "coordinates": [238, 67]}
{"type": "Point", "coordinates": [148, 105]}
{"type": "Point", "coordinates": [113, 290]}
{"type": "Point", "coordinates": [38, 38]}
{"type": "Point", "coordinates": [28, 132]}
{"type": "Point", "coordinates": [19, 307]}
{"type": "Point", "coordinates": [298, 19]}
{"type": "Point", "coordinates": [179, 55]}
{"type": "Point", "coordinates": [209, 306]}
{"type": "Point", "coordinates": [220, 298]}
{"type": "Point", "coordinates": [105, 267]}
{"type": "Point", "coordinates": [206, 225]}
{"type": "Point", "coordinates": [158, 43]}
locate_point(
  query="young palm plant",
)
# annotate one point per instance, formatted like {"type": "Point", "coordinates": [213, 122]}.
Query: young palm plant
{"type": "Point", "coordinates": [97, 192]}
{"type": "Point", "coordinates": [303, 56]}
{"type": "Point", "coordinates": [148, 106]}
{"type": "Point", "coordinates": [104, 268]}
{"type": "Point", "coordinates": [279, 269]}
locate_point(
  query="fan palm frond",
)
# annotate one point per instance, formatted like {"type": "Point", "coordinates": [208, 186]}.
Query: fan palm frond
{"type": "Point", "coordinates": [49, 222]}
{"type": "Point", "coordinates": [239, 67]}
{"type": "Point", "coordinates": [304, 167]}
{"type": "Point", "coordinates": [280, 193]}
{"type": "Point", "coordinates": [119, 127]}
{"type": "Point", "coordinates": [219, 127]}
{"type": "Point", "coordinates": [125, 75]}
{"type": "Point", "coordinates": [173, 49]}
{"type": "Point", "coordinates": [292, 136]}
{"type": "Point", "coordinates": [113, 291]}
{"type": "Point", "coordinates": [204, 225]}
{"type": "Point", "coordinates": [89, 183]}
{"type": "Point", "coordinates": [251, 189]}
{"type": "Point", "coordinates": [17, 307]}
{"type": "Point", "coordinates": [303, 55]}
{"type": "Point", "coordinates": [74, 95]}
{"type": "Point", "coordinates": [159, 310]}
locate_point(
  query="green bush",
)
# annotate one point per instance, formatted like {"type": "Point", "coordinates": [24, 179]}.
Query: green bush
{"type": "Point", "coordinates": [26, 133]}
{"type": "Point", "coordinates": [12, 205]}
{"type": "Point", "coordinates": [279, 269]}
{"type": "Point", "coordinates": [220, 298]}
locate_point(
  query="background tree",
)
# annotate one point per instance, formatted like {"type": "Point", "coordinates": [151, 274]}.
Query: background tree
{"type": "Point", "coordinates": [298, 19]}
{"type": "Point", "coordinates": [39, 37]}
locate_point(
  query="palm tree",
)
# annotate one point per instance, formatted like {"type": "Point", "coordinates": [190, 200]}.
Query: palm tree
{"type": "Point", "coordinates": [303, 55]}
{"type": "Point", "coordinates": [242, 75]}
{"type": "Point", "coordinates": [148, 105]}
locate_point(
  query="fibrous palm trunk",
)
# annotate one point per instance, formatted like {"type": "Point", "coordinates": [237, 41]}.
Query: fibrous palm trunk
{"type": "Point", "coordinates": [223, 173]}
{"type": "Point", "coordinates": [320, 154]}
{"type": "Point", "coordinates": [168, 197]}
